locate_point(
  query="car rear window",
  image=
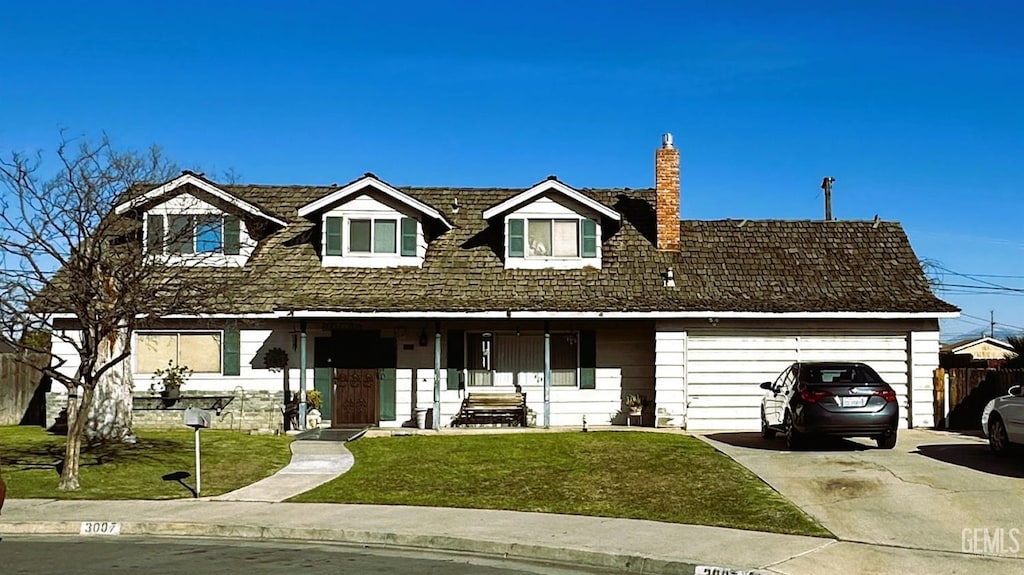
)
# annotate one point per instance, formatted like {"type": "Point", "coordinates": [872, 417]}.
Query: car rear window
{"type": "Point", "coordinates": [821, 374]}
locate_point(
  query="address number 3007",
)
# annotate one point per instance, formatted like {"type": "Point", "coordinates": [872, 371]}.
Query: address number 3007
{"type": "Point", "coordinates": [100, 528]}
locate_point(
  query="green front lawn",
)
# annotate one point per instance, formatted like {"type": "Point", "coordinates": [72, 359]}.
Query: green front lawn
{"type": "Point", "coordinates": [661, 477]}
{"type": "Point", "coordinates": [28, 456]}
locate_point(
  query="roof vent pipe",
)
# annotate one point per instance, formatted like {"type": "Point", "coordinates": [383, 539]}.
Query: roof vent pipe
{"type": "Point", "coordinates": [670, 278]}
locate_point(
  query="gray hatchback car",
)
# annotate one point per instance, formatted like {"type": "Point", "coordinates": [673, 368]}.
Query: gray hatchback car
{"type": "Point", "coordinates": [840, 399]}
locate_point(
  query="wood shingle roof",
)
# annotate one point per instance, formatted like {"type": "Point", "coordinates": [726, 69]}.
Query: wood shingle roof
{"type": "Point", "coordinates": [724, 265]}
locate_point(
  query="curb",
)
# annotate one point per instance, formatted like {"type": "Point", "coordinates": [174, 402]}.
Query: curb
{"type": "Point", "coordinates": [621, 562]}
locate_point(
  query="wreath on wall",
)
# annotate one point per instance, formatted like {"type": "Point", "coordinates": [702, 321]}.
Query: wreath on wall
{"type": "Point", "coordinates": [275, 359]}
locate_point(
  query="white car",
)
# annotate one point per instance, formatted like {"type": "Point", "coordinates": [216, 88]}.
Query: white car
{"type": "Point", "coordinates": [1002, 421]}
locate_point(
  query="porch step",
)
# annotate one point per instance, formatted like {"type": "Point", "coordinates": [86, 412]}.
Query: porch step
{"type": "Point", "coordinates": [331, 434]}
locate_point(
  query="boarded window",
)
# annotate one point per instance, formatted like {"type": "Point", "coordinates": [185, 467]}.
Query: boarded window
{"type": "Point", "coordinates": [200, 352]}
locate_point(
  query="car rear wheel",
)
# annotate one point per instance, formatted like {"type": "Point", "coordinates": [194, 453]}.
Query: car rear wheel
{"type": "Point", "coordinates": [886, 441]}
{"type": "Point", "coordinates": [766, 432]}
{"type": "Point", "coordinates": [794, 439]}
{"type": "Point", "coordinates": [997, 438]}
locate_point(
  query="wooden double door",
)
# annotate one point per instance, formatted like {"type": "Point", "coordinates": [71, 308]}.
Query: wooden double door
{"type": "Point", "coordinates": [356, 392]}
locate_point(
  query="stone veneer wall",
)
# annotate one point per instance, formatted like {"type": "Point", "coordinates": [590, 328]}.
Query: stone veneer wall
{"type": "Point", "coordinates": [249, 410]}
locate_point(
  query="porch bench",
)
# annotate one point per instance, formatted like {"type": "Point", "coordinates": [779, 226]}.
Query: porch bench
{"type": "Point", "coordinates": [492, 408]}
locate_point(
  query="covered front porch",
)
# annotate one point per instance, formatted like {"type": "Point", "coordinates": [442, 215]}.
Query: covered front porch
{"type": "Point", "coordinates": [381, 373]}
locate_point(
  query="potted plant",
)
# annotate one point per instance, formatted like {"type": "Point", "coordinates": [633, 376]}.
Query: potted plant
{"type": "Point", "coordinates": [171, 379]}
{"type": "Point", "coordinates": [314, 400]}
{"type": "Point", "coordinates": [635, 403]}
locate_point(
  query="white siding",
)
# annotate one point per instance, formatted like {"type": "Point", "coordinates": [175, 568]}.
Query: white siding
{"type": "Point", "coordinates": [924, 360]}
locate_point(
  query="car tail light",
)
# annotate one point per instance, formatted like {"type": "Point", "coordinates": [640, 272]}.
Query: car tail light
{"type": "Point", "coordinates": [887, 394]}
{"type": "Point", "coordinates": [813, 395]}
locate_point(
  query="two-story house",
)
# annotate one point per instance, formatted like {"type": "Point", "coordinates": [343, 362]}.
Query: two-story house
{"type": "Point", "coordinates": [389, 299]}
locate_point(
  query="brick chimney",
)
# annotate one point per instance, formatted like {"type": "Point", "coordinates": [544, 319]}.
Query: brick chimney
{"type": "Point", "coordinates": [666, 184]}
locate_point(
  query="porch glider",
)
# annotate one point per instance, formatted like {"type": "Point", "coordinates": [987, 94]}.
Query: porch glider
{"type": "Point", "coordinates": [492, 408]}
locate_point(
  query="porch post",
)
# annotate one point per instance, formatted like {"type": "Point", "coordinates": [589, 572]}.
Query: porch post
{"type": "Point", "coordinates": [437, 375]}
{"type": "Point", "coordinates": [547, 375]}
{"type": "Point", "coordinates": [302, 376]}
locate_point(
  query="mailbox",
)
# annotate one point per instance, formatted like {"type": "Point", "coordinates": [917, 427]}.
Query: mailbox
{"type": "Point", "coordinates": [197, 418]}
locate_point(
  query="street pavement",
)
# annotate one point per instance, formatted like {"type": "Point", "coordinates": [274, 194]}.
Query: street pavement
{"type": "Point", "coordinates": [626, 545]}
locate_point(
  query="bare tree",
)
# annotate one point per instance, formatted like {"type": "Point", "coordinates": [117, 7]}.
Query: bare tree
{"type": "Point", "coordinates": [66, 253]}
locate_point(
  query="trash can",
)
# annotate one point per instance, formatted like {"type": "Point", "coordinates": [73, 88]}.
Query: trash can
{"type": "Point", "coordinates": [421, 418]}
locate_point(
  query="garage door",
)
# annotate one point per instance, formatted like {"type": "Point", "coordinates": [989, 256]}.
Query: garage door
{"type": "Point", "coordinates": [724, 371]}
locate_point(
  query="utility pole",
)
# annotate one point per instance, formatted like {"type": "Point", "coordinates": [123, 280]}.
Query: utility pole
{"type": "Point", "coordinates": [992, 324]}
{"type": "Point", "coordinates": [826, 184]}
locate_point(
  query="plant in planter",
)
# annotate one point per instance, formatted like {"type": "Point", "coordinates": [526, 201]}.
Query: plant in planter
{"type": "Point", "coordinates": [171, 379]}
{"type": "Point", "coordinates": [314, 400]}
{"type": "Point", "coordinates": [636, 403]}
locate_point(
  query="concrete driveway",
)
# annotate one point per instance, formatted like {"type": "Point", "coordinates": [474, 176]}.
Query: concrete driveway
{"type": "Point", "coordinates": [936, 490]}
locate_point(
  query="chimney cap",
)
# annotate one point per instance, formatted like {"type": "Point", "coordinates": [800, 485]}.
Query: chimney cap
{"type": "Point", "coordinates": [666, 140]}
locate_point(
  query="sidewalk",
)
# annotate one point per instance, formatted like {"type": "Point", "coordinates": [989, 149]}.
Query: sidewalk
{"type": "Point", "coordinates": [628, 545]}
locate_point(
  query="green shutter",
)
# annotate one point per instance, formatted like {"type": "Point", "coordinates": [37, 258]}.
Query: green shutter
{"type": "Point", "coordinates": [232, 352]}
{"type": "Point", "coordinates": [408, 237]}
{"type": "Point", "coordinates": [456, 357]}
{"type": "Point", "coordinates": [181, 234]}
{"type": "Point", "coordinates": [232, 235]}
{"type": "Point", "coordinates": [387, 395]}
{"type": "Point", "coordinates": [515, 238]}
{"type": "Point", "coordinates": [334, 227]}
{"type": "Point", "coordinates": [588, 359]}
{"type": "Point", "coordinates": [322, 383]}
{"type": "Point", "coordinates": [155, 234]}
{"type": "Point", "coordinates": [589, 238]}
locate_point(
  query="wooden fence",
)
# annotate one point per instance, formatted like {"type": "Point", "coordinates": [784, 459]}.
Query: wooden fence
{"type": "Point", "coordinates": [22, 390]}
{"type": "Point", "coordinates": [969, 389]}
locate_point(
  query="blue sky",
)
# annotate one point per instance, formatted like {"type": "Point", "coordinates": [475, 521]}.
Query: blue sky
{"type": "Point", "coordinates": [913, 106]}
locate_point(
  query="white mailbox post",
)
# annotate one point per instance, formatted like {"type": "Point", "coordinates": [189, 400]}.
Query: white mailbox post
{"type": "Point", "coordinates": [197, 419]}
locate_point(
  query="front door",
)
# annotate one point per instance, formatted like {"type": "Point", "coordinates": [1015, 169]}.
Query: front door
{"type": "Point", "coordinates": [355, 397]}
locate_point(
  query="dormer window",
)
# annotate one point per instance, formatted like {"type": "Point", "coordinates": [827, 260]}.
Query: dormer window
{"type": "Point", "coordinates": [552, 226]}
{"type": "Point", "coordinates": [552, 238]}
{"type": "Point", "coordinates": [187, 234]}
{"type": "Point", "coordinates": [369, 236]}
{"type": "Point", "coordinates": [370, 224]}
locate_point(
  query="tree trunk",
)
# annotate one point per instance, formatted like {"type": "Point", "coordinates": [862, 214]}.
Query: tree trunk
{"type": "Point", "coordinates": [110, 417]}
{"type": "Point", "coordinates": [73, 448]}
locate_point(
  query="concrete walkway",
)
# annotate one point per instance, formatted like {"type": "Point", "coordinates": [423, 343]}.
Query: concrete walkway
{"type": "Point", "coordinates": [313, 463]}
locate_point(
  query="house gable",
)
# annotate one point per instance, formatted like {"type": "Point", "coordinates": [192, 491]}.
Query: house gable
{"type": "Point", "coordinates": [370, 224]}
{"type": "Point", "coordinates": [552, 226]}
{"type": "Point", "coordinates": [192, 221]}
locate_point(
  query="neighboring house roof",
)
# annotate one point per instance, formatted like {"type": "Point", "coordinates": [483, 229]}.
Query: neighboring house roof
{"type": "Point", "coordinates": [769, 266]}
{"type": "Point", "coordinates": [965, 345]}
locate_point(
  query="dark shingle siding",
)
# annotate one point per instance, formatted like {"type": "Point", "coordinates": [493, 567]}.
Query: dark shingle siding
{"type": "Point", "coordinates": [759, 266]}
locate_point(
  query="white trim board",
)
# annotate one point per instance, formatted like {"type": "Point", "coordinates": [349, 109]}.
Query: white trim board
{"type": "Point", "coordinates": [543, 187]}
{"type": "Point", "coordinates": [190, 178]}
{"type": "Point", "coordinates": [371, 181]}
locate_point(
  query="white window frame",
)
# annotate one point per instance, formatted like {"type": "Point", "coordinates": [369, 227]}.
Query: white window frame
{"type": "Point", "coordinates": [487, 375]}
{"type": "Point", "coordinates": [346, 247]}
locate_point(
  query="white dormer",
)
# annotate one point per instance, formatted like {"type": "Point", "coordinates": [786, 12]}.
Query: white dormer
{"type": "Point", "coordinates": [183, 225]}
{"type": "Point", "coordinates": [370, 224]}
{"type": "Point", "coordinates": [551, 225]}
